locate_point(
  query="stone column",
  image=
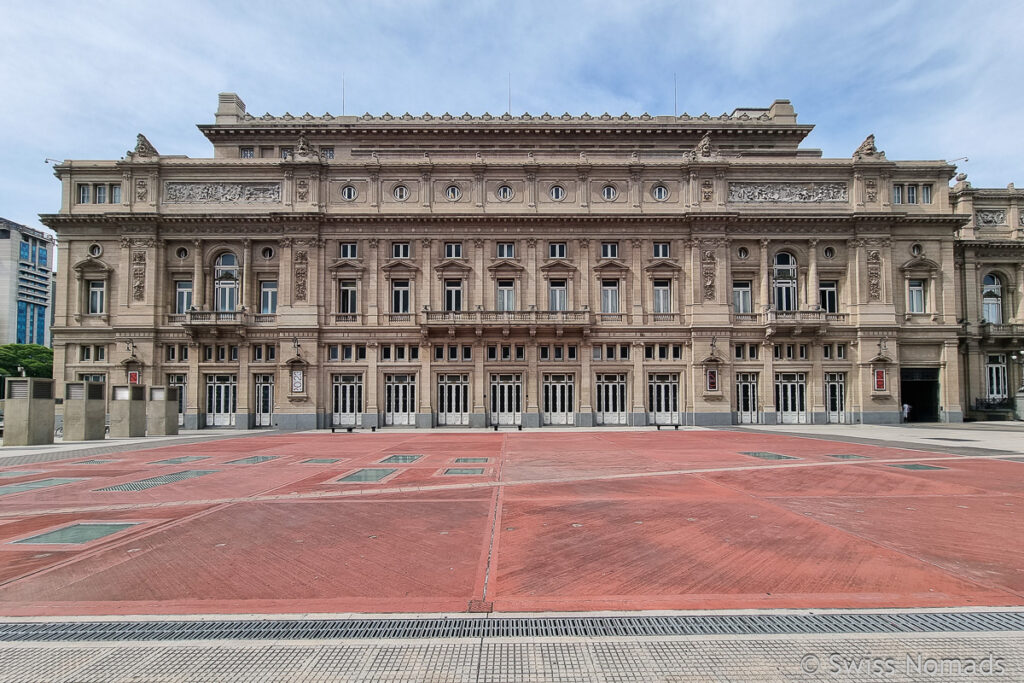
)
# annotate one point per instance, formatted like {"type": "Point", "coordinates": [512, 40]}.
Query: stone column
{"type": "Point", "coordinates": [198, 273]}
{"type": "Point", "coordinates": [425, 414]}
{"type": "Point", "coordinates": [245, 411]}
{"type": "Point", "coordinates": [638, 281]}
{"type": "Point", "coordinates": [766, 383]}
{"type": "Point", "coordinates": [371, 414]}
{"type": "Point", "coordinates": [585, 276]}
{"type": "Point", "coordinates": [1020, 294]}
{"type": "Point", "coordinates": [639, 413]}
{"type": "Point", "coordinates": [426, 276]}
{"type": "Point", "coordinates": [284, 269]}
{"type": "Point", "coordinates": [531, 385]}
{"type": "Point", "coordinates": [479, 380]}
{"type": "Point", "coordinates": [812, 275]}
{"type": "Point", "coordinates": [531, 292]}
{"type": "Point", "coordinates": [765, 274]}
{"type": "Point", "coordinates": [480, 296]}
{"type": "Point", "coordinates": [195, 416]}
{"type": "Point", "coordinates": [372, 292]}
{"type": "Point", "coordinates": [950, 381]}
{"type": "Point", "coordinates": [585, 416]}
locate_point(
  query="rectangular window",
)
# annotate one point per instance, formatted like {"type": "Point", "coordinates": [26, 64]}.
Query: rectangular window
{"type": "Point", "coordinates": [506, 352]}
{"type": "Point", "coordinates": [208, 352]}
{"type": "Point", "coordinates": [911, 194]}
{"type": "Point", "coordinates": [662, 296]}
{"type": "Point", "coordinates": [624, 351]}
{"type": "Point", "coordinates": [171, 353]}
{"type": "Point", "coordinates": [453, 250]}
{"type": "Point", "coordinates": [826, 352]}
{"type": "Point", "coordinates": [559, 352]}
{"type": "Point", "coordinates": [520, 352]}
{"type": "Point", "coordinates": [332, 352]}
{"type": "Point", "coordinates": [467, 352]}
{"type": "Point", "coordinates": [677, 351]}
{"type": "Point", "coordinates": [246, 153]}
{"type": "Point", "coordinates": [101, 194]}
{"type": "Point", "coordinates": [347, 297]}
{"type": "Point", "coordinates": [609, 296]}
{"type": "Point", "coordinates": [752, 351]}
{"type": "Point", "coordinates": [268, 296]}
{"type": "Point", "coordinates": [741, 297]}
{"type": "Point", "coordinates": [571, 351]}
{"type": "Point", "coordinates": [828, 295]}
{"type": "Point", "coordinates": [545, 352]}
{"type": "Point", "coordinates": [777, 352]}
{"type": "Point", "coordinates": [789, 352]}
{"type": "Point", "coordinates": [897, 194]}
{"type": "Point", "coordinates": [85, 352]}
{"type": "Point", "coordinates": [400, 296]}
{"type": "Point", "coordinates": [347, 250]}
{"type": "Point", "coordinates": [506, 250]}
{"type": "Point", "coordinates": [346, 352]}
{"type": "Point", "coordinates": [439, 353]}
{"type": "Point", "coordinates": [996, 376]}
{"type": "Point", "coordinates": [115, 194]}
{"type": "Point", "coordinates": [595, 353]}
{"type": "Point", "coordinates": [271, 352]}
{"type": "Point", "coordinates": [327, 153]}
{"type": "Point", "coordinates": [360, 351]}
{"type": "Point", "coordinates": [385, 352]}
{"type": "Point", "coordinates": [257, 353]}
{"type": "Point", "coordinates": [183, 352]}
{"type": "Point", "coordinates": [400, 250]}
{"type": "Point", "coordinates": [25, 251]}
{"type": "Point", "coordinates": [234, 353]}
{"type": "Point", "coordinates": [83, 193]}
{"type": "Point", "coordinates": [609, 250]}
{"type": "Point", "coordinates": [286, 152]}
{"type": "Point", "coordinates": [400, 352]}
{"type": "Point", "coordinates": [739, 351]}
{"type": "Point", "coordinates": [802, 351]}
{"type": "Point", "coordinates": [556, 250]}
{"type": "Point", "coordinates": [97, 296]}
{"type": "Point", "coordinates": [506, 295]}
{"type": "Point", "coordinates": [926, 194]}
{"type": "Point", "coordinates": [557, 295]}
{"type": "Point", "coordinates": [840, 351]}
{"type": "Point", "coordinates": [492, 352]}
{"type": "Point", "coordinates": [915, 303]}
{"type": "Point", "coordinates": [222, 353]}
{"type": "Point", "coordinates": [661, 250]}
{"type": "Point", "coordinates": [453, 295]}
{"type": "Point", "coordinates": [101, 352]}
{"type": "Point", "coordinates": [649, 352]}
{"type": "Point", "coordinates": [453, 353]}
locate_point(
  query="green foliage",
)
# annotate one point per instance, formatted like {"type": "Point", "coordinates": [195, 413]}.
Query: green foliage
{"type": "Point", "coordinates": [37, 360]}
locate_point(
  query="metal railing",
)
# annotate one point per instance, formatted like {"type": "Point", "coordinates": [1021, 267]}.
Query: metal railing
{"type": "Point", "coordinates": [505, 317]}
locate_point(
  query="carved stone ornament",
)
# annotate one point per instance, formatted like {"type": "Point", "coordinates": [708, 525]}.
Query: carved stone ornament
{"type": "Point", "coordinates": [874, 275]}
{"type": "Point", "coordinates": [141, 190]}
{"type": "Point", "coordinates": [703, 148]}
{"type": "Point", "coordinates": [301, 275]}
{"type": "Point", "coordinates": [138, 275]}
{"type": "Point", "coordinates": [788, 192]}
{"type": "Point", "coordinates": [215, 193]}
{"type": "Point", "coordinates": [143, 148]}
{"type": "Point", "coordinates": [990, 217]}
{"type": "Point", "coordinates": [707, 191]}
{"type": "Point", "coordinates": [708, 263]}
{"type": "Point", "coordinates": [871, 189]}
{"type": "Point", "coordinates": [302, 190]}
{"type": "Point", "coordinates": [867, 150]}
{"type": "Point", "coordinates": [303, 152]}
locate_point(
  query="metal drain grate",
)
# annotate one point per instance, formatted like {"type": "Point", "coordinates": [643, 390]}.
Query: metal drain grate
{"type": "Point", "coordinates": [143, 484]}
{"type": "Point", "coordinates": [252, 460]}
{"type": "Point", "coordinates": [470, 460]}
{"type": "Point", "coordinates": [474, 627]}
{"type": "Point", "coordinates": [77, 534]}
{"type": "Point", "coordinates": [368, 474]}
{"type": "Point", "coordinates": [400, 458]}
{"type": "Point", "coordinates": [464, 470]}
{"type": "Point", "coordinates": [769, 456]}
{"type": "Point", "coordinates": [321, 461]}
{"type": "Point", "coordinates": [846, 456]}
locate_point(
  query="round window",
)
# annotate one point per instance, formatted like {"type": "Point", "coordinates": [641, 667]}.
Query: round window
{"type": "Point", "coordinates": [348, 193]}
{"type": "Point", "coordinates": [609, 193]}
{"type": "Point", "coordinates": [181, 253]}
{"type": "Point", "coordinates": [95, 250]}
{"type": "Point", "coordinates": [267, 253]}
{"type": "Point", "coordinates": [557, 192]}
{"type": "Point", "coordinates": [505, 193]}
{"type": "Point", "coordinates": [452, 193]}
{"type": "Point", "coordinates": [660, 193]}
{"type": "Point", "coordinates": [401, 192]}
{"type": "Point", "coordinates": [917, 250]}
{"type": "Point", "coordinates": [743, 252]}
{"type": "Point", "coordinates": [830, 252]}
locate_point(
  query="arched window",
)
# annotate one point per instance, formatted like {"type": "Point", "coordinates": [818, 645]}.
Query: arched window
{"type": "Point", "coordinates": [784, 275]}
{"type": "Point", "coordinates": [225, 282]}
{"type": "Point", "coordinates": [992, 299]}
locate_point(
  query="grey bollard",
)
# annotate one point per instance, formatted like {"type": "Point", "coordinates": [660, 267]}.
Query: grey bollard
{"type": "Point", "coordinates": [162, 411]}
{"type": "Point", "coordinates": [28, 411]}
{"type": "Point", "coordinates": [85, 411]}
{"type": "Point", "coordinates": [127, 411]}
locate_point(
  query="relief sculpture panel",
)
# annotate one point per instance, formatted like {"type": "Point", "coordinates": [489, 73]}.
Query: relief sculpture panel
{"type": "Point", "coordinates": [221, 193]}
{"type": "Point", "coordinates": [788, 192]}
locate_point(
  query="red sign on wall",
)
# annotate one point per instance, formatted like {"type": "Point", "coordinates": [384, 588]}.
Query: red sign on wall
{"type": "Point", "coordinates": [879, 380]}
{"type": "Point", "coordinates": [134, 377]}
{"type": "Point", "coordinates": [712, 379]}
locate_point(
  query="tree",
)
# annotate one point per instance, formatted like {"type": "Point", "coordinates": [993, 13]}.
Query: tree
{"type": "Point", "coordinates": [37, 360]}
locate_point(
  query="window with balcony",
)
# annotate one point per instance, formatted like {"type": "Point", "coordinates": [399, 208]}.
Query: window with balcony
{"type": "Point", "coordinates": [506, 250]}
{"type": "Point", "coordinates": [661, 250]}
{"type": "Point", "coordinates": [609, 250]}
{"type": "Point", "coordinates": [995, 374]}
{"type": "Point", "coordinates": [741, 297]}
{"type": "Point", "coordinates": [97, 293]}
{"type": "Point", "coordinates": [225, 282]}
{"type": "Point", "coordinates": [182, 296]}
{"type": "Point", "coordinates": [828, 296]}
{"type": "Point", "coordinates": [347, 297]}
{"type": "Point", "coordinates": [400, 250]}
{"type": "Point", "coordinates": [348, 250]}
{"type": "Point", "coordinates": [557, 295]}
{"type": "Point", "coordinates": [453, 295]}
{"type": "Point", "coordinates": [268, 296]}
{"type": "Point", "coordinates": [556, 250]}
{"type": "Point", "coordinates": [992, 299]}
{"type": "Point", "coordinates": [609, 296]}
{"type": "Point", "coordinates": [785, 278]}
{"type": "Point", "coordinates": [400, 293]}
{"type": "Point", "coordinates": [662, 296]}
{"type": "Point", "coordinates": [453, 250]}
{"type": "Point", "coordinates": [915, 296]}
{"type": "Point", "coordinates": [506, 295]}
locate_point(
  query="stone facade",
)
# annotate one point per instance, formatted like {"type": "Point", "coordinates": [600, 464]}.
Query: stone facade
{"type": "Point", "coordinates": [461, 270]}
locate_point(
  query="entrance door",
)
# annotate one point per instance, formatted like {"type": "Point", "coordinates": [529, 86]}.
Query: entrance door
{"type": "Point", "coordinates": [399, 399]}
{"type": "Point", "coordinates": [611, 399]}
{"type": "Point", "coordinates": [919, 388]}
{"type": "Point", "coordinates": [179, 382]}
{"type": "Point", "coordinates": [835, 397]}
{"type": "Point", "coordinates": [221, 400]}
{"type": "Point", "coordinates": [791, 397]}
{"type": "Point", "coordinates": [746, 398]}
{"type": "Point", "coordinates": [507, 399]}
{"type": "Point", "coordinates": [347, 400]}
{"type": "Point", "coordinates": [264, 400]}
{"type": "Point", "coordinates": [453, 399]}
{"type": "Point", "coordinates": [559, 395]}
{"type": "Point", "coordinates": [663, 398]}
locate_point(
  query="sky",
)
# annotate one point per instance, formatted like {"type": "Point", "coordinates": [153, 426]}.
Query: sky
{"type": "Point", "coordinates": [931, 79]}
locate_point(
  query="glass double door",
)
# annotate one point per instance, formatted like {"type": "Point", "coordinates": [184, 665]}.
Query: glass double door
{"type": "Point", "coordinates": [179, 381]}
{"type": "Point", "coordinates": [507, 399]}
{"type": "Point", "coordinates": [611, 399]}
{"type": "Point", "coordinates": [453, 399]}
{"type": "Point", "coordinates": [791, 397]}
{"type": "Point", "coordinates": [400, 399]}
{"type": "Point", "coordinates": [835, 397]}
{"type": "Point", "coordinates": [347, 400]}
{"type": "Point", "coordinates": [558, 393]}
{"type": "Point", "coordinates": [221, 400]}
{"type": "Point", "coordinates": [663, 398]}
{"type": "Point", "coordinates": [264, 400]}
{"type": "Point", "coordinates": [746, 398]}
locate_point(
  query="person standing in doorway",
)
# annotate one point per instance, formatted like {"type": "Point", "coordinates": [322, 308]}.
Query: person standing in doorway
{"type": "Point", "coordinates": [906, 412]}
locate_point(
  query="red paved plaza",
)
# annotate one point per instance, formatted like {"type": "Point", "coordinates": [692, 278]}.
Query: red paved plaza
{"type": "Point", "coordinates": [557, 521]}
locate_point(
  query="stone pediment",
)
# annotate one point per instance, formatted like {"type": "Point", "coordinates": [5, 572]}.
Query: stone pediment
{"type": "Point", "coordinates": [345, 265]}
{"type": "Point", "coordinates": [662, 265]}
{"type": "Point", "coordinates": [610, 265]}
{"type": "Point", "coordinates": [453, 266]}
{"type": "Point", "coordinates": [93, 265]}
{"type": "Point", "coordinates": [400, 266]}
{"type": "Point", "coordinates": [559, 265]}
{"type": "Point", "coordinates": [506, 265]}
{"type": "Point", "coordinates": [920, 263]}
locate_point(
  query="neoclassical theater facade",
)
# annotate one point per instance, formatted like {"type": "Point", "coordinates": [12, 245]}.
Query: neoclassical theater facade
{"type": "Point", "coordinates": [538, 270]}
